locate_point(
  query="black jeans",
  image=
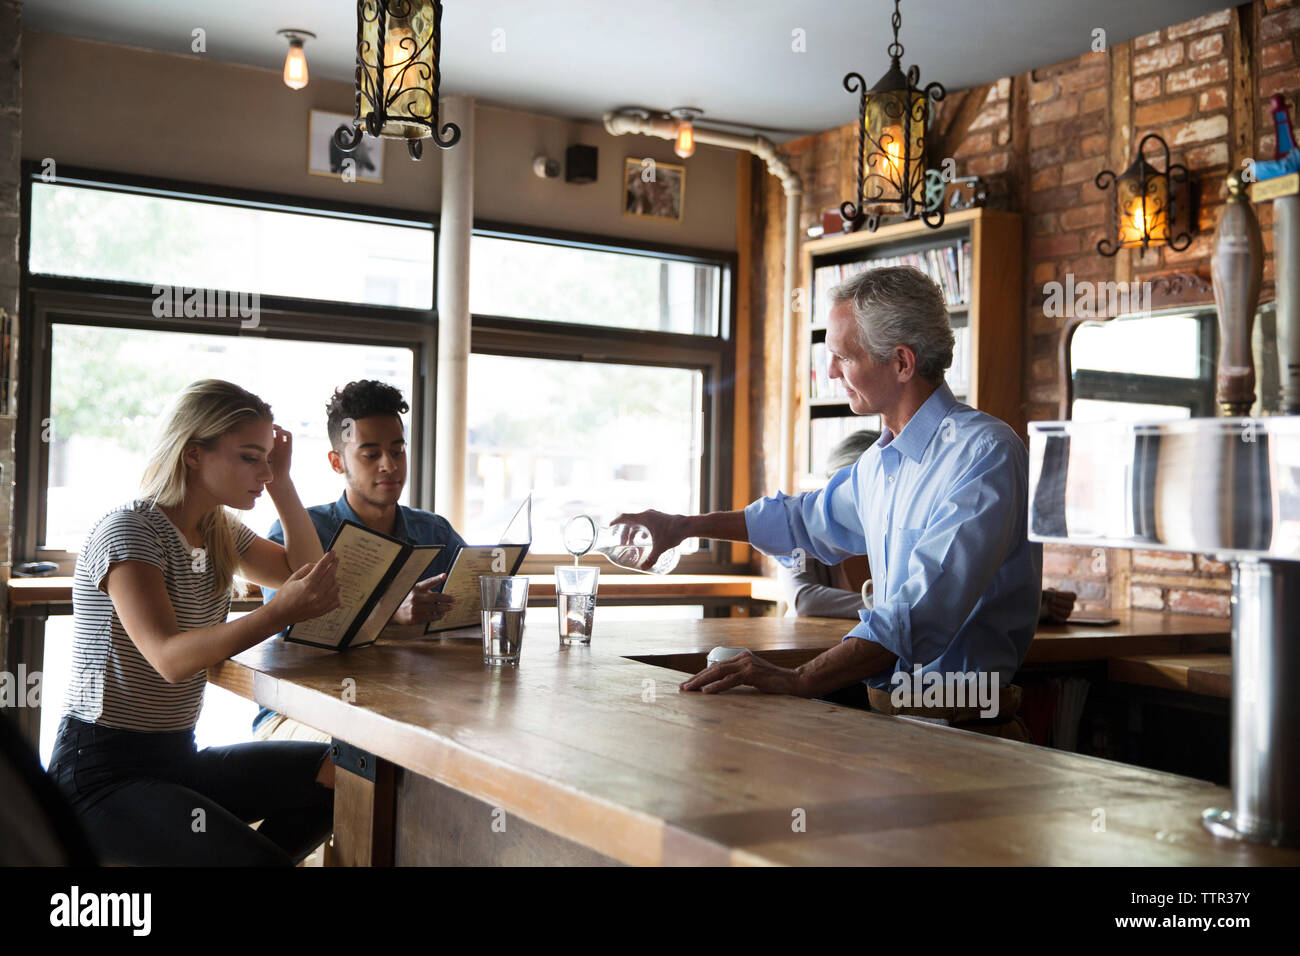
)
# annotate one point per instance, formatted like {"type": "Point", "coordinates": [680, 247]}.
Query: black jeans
{"type": "Point", "coordinates": [154, 799]}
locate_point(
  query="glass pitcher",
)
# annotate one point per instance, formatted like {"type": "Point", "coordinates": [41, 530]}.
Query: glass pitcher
{"type": "Point", "coordinates": [624, 545]}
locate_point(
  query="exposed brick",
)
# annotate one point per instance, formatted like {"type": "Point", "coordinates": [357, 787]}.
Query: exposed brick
{"type": "Point", "coordinates": [1044, 223]}
{"type": "Point", "coordinates": [988, 165]}
{"type": "Point", "coordinates": [1079, 171]}
{"type": "Point", "coordinates": [1040, 92]}
{"type": "Point", "coordinates": [1206, 47]}
{"type": "Point", "coordinates": [1200, 24]}
{"type": "Point", "coordinates": [1271, 5]}
{"type": "Point", "coordinates": [1004, 135]}
{"type": "Point", "coordinates": [974, 145]}
{"type": "Point", "coordinates": [991, 115]}
{"type": "Point", "coordinates": [1192, 78]}
{"type": "Point", "coordinates": [1045, 178]}
{"type": "Point", "coordinates": [1062, 197]}
{"type": "Point", "coordinates": [1094, 100]}
{"type": "Point", "coordinates": [1210, 566]}
{"type": "Point", "coordinates": [1081, 217]}
{"type": "Point", "coordinates": [1211, 100]}
{"type": "Point", "coordinates": [1274, 55]}
{"type": "Point", "coordinates": [1146, 88]}
{"type": "Point", "coordinates": [1164, 111]}
{"type": "Point", "coordinates": [1146, 40]}
{"type": "Point", "coordinates": [1094, 145]}
{"type": "Point", "coordinates": [1157, 59]}
{"type": "Point", "coordinates": [1047, 247]}
{"type": "Point", "coordinates": [1061, 561]}
{"type": "Point", "coordinates": [1040, 136]}
{"type": "Point", "coordinates": [1081, 80]}
{"type": "Point", "coordinates": [1284, 82]}
{"type": "Point", "coordinates": [1044, 369]}
{"type": "Point", "coordinates": [1278, 26]}
{"type": "Point", "coordinates": [1199, 602]}
{"type": "Point", "coordinates": [1146, 597]}
{"type": "Point", "coordinates": [1198, 130]}
{"type": "Point", "coordinates": [1162, 561]}
{"type": "Point", "coordinates": [1048, 152]}
{"type": "Point", "coordinates": [1044, 272]}
{"type": "Point", "coordinates": [1073, 130]}
{"type": "Point", "coordinates": [1049, 112]}
{"type": "Point", "coordinates": [1204, 157]}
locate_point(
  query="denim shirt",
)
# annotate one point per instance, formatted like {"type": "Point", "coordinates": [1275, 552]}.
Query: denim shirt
{"type": "Point", "coordinates": [412, 526]}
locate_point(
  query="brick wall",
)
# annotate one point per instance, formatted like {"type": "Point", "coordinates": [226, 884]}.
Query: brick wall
{"type": "Point", "coordinates": [10, 138]}
{"type": "Point", "coordinates": [1041, 137]}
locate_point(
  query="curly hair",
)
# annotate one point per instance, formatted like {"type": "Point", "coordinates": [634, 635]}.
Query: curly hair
{"type": "Point", "coordinates": [361, 400]}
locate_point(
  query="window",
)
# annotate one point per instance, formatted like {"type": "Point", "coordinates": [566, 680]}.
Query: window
{"type": "Point", "coordinates": [1144, 366]}
{"type": "Point", "coordinates": [598, 382]}
{"type": "Point", "coordinates": [103, 413]}
{"type": "Point", "coordinates": [122, 235]}
{"type": "Point", "coordinates": [566, 283]}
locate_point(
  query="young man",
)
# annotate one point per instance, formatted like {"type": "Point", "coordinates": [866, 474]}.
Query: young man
{"type": "Point", "coordinates": [369, 451]}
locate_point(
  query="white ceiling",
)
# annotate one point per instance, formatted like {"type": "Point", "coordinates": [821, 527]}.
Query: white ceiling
{"type": "Point", "coordinates": [577, 58]}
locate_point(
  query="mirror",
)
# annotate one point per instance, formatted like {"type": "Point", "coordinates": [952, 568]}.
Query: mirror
{"type": "Point", "coordinates": [1155, 366]}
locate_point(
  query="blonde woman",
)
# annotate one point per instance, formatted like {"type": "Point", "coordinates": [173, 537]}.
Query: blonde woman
{"type": "Point", "coordinates": [151, 595]}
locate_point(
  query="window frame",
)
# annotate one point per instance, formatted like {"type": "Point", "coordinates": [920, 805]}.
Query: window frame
{"type": "Point", "coordinates": [712, 355]}
{"type": "Point", "coordinates": [48, 299]}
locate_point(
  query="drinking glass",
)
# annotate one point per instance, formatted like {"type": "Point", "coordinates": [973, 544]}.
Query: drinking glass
{"type": "Point", "coordinates": [504, 600]}
{"type": "Point", "coordinates": [575, 599]}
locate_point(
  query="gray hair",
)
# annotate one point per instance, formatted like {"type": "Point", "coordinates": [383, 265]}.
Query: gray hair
{"type": "Point", "coordinates": [900, 305]}
{"type": "Point", "coordinates": [850, 449]}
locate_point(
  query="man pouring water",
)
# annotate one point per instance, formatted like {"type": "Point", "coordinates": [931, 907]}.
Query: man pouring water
{"type": "Point", "coordinates": [938, 504]}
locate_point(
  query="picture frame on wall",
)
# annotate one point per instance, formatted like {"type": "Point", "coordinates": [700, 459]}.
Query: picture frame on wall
{"type": "Point", "coordinates": [326, 159]}
{"type": "Point", "coordinates": [653, 190]}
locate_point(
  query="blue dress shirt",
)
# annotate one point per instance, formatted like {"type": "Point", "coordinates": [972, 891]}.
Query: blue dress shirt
{"type": "Point", "coordinates": [941, 511]}
{"type": "Point", "coordinates": [412, 526]}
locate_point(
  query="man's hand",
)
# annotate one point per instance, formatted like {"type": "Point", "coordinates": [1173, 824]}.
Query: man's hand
{"type": "Point", "coordinates": [746, 670]}
{"type": "Point", "coordinates": [424, 604]}
{"type": "Point", "coordinates": [667, 531]}
{"type": "Point", "coordinates": [1057, 606]}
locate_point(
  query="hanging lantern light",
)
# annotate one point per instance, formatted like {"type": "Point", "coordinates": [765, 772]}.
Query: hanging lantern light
{"type": "Point", "coordinates": [892, 119]}
{"type": "Point", "coordinates": [1146, 208]}
{"type": "Point", "coordinates": [399, 44]}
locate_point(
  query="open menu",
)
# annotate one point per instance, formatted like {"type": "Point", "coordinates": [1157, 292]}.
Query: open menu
{"type": "Point", "coordinates": [472, 561]}
{"type": "Point", "coordinates": [375, 573]}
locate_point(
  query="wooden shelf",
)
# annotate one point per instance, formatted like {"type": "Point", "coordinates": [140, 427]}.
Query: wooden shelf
{"type": "Point", "coordinates": [994, 314]}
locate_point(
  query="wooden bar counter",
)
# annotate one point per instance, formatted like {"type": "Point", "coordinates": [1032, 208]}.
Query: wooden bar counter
{"type": "Point", "coordinates": [586, 755]}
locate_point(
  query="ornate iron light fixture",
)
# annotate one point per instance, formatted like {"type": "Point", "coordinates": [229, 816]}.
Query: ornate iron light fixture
{"type": "Point", "coordinates": [892, 118]}
{"type": "Point", "coordinates": [399, 44]}
{"type": "Point", "coordinates": [1145, 207]}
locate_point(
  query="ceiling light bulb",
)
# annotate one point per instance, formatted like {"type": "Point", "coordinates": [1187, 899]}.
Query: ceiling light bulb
{"type": "Point", "coordinates": [295, 62]}
{"type": "Point", "coordinates": [685, 144]}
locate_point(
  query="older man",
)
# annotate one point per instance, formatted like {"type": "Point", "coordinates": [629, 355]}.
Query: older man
{"type": "Point", "coordinates": [938, 504]}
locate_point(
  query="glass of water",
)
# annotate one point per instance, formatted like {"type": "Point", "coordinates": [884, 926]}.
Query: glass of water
{"type": "Point", "coordinates": [504, 601]}
{"type": "Point", "coordinates": [575, 598]}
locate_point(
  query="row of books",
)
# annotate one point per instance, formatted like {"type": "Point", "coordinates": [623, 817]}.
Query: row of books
{"type": "Point", "coordinates": [949, 266]}
{"type": "Point", "coordinates": [821, 385]}
{"type": "Point", "coordinates": [825, 433]}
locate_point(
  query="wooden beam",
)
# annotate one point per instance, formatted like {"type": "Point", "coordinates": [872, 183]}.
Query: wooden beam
{"type": "Point", "coordinates": [1245, 84]}
{"type": "Point", "coordinates": [742, 330]}
{"type": "Point", "coordinates": [955, 130]}
{"type": "Point", "coordinates": [364, 810]}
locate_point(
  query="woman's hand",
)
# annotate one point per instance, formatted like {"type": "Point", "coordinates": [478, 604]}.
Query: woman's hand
{"type": "Point", "coordinates": [746, 670]}
{"type": "Point", "coordinates": [311, 591]}
{"type": "Point", "coordinates": [1057, 606]}
{"type": "Point", "coordinates": [280, 458]}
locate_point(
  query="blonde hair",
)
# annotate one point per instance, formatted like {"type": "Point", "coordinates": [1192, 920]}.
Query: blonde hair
{"type": "Point", "coordinates": [200, 415]}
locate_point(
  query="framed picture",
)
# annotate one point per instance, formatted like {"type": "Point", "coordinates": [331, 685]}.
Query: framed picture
{"type": "Point", "coordinates": [653, 190]}
{"type": "Point", "coordinates": [326, 159]}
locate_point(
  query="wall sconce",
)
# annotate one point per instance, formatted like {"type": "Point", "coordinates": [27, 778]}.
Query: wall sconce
{"type": "Point", "coordinates": [684, 144]}
{"type": "Point", "coordinates": [892, 117]}
{"type": "Point", "coordinates": [295, 62]}
{"type": "Point", "coordinates": [399, 44]}
{"type": "Point", "coordinates": [1146, 207]}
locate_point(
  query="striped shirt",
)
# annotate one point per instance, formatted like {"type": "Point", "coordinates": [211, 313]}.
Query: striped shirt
{"type": "Point", "coordinates": [112, 683]}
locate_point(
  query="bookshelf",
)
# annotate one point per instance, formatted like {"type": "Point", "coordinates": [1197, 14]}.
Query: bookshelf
{"type": "Point", "coordinates": [975, 257]}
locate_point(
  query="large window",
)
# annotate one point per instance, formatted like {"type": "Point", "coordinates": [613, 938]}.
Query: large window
{"type": "Point", "coordinates": [119, 235]}
{"type": "Point", "coordinates": [108, 387]}
{"type": "Point", "coordinates": [596, 384]}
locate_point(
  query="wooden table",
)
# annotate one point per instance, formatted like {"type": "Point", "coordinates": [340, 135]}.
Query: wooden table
{"type": "Point", "coordinates": [1207, 674]}
{"type": "Point", "coordinates": [587, 755]}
